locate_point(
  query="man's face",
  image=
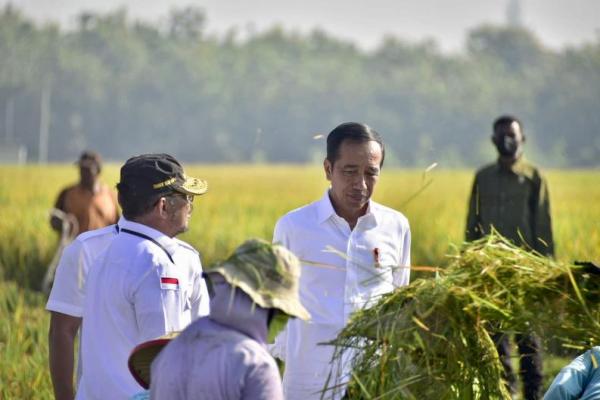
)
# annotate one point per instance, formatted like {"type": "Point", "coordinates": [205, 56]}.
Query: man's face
{"type": "Point", "coordinates": [179, 211]}
{"type": "Point", "coordinates": [508, 140]}
{"type": "Point", "coordinates": [353, 176]}
{"type": "Point", "coordinates": [88, 172]}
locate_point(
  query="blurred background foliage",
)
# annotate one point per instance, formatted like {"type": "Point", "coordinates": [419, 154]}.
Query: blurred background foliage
{"type": "Point", "coordinates": [122, 87]}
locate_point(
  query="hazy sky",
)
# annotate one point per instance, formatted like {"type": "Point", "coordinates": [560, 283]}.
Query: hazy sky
{"type": "Point", "coordinates": [556, 22]}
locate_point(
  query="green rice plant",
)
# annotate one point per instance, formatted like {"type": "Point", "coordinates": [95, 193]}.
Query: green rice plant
{"type": "Point", "coordinates": [430, 339]}
{"type": "Point", "coordinates": [23, 344]}
{"type": "Point", "coordinates": [245, 201]}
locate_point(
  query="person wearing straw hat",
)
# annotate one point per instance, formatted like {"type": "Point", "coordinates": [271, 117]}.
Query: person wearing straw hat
{"type": "Point", "coordinates": [353, 251]}
{"type": "Point", "coordinates": [146, 283]}
{"type": "Point", "coordinates": [224, 356]}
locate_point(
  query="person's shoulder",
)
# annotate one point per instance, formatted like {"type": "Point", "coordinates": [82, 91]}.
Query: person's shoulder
{"type": "Point", "coordinates": [94, 240]}
{"type": "Point", "coordinates": [248, 347]}
{"type": "Point", "coordinates": [70, 187]}
{"type": "Point", "coordinates": [301, 213]}
{"type": "Point", "coordinates": [105, 188]}
{"type": "Point", "coordinates": [530, 170]}
{"type": "Point", "coordinates": [66, 190]}
{"type": "Point", "coordinates": [186, 246]}
{"type": "Point", "coordinates": [486, 169]}
{"type": "Point", "coordinates": [88, 236]}
{"type": "Point", "coordinates": [388, 213]}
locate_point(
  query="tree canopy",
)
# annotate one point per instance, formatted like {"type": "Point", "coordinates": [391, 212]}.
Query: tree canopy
{"type": "Point", "coordinates": [124, 87]}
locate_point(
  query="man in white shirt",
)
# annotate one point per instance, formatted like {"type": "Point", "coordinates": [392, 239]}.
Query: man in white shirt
{"type": "Point", "coordinates": [352, 249]}
{"type": "Point", "coordinates": [66, 305]}
{"type": "Point", "coordinates": [146, 283]}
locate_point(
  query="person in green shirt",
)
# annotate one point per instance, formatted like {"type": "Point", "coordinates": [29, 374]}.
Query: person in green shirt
{"type": "Point", "coordinates": [511, 196]}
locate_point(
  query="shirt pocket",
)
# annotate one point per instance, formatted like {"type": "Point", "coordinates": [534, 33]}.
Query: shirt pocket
{"type": "Point", "coordinates": [374, 266]}
{"type": "Point", "coordinates": [177, 292]}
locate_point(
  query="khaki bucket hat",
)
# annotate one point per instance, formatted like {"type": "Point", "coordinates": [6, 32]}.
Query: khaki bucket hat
{"type": "Point", "coordinates": [140, 359]}
{"type": "Point", "coordinates": [268, 273]}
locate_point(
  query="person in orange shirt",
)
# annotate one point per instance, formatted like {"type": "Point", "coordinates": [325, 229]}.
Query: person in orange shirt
{"type": "Point", "coordinates": [87, 205]}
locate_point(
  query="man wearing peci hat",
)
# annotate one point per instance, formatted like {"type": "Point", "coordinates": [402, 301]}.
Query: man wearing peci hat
{"type": "Point", "coordinates": [87, 205]}
{"type": "Point", "coordinates": [224, 356]}
{"type": "Point", "coordinates": [146, 283]}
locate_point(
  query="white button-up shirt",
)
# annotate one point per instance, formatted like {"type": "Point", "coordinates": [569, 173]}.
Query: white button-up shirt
{"type": "Point", "coordinates": [343, 270]}
{"type": "Point", "coordinates": [68, 292]}
{"type": "Point", "coordinates": [144, 285]}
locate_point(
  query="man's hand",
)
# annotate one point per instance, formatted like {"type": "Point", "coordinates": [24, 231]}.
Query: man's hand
{"type": "Point", "coordinates": [64, 223]}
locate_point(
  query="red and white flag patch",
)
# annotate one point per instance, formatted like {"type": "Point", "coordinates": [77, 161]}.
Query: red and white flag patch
{"type": "Point", "coordinates": [169, 283]}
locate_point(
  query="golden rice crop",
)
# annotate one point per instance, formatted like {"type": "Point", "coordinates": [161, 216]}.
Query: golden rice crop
{"type": "Point", "coordinates": [243, 201]}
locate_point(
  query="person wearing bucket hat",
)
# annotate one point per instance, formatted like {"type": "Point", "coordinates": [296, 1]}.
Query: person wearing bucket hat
{"type": "Point", "coordinates": [224, 356]}
{"type": "Point", "coordinates": [146, 283]}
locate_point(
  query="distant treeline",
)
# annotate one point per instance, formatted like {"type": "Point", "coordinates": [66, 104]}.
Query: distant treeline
{"type": "Point", "coordinates": [123, 87]}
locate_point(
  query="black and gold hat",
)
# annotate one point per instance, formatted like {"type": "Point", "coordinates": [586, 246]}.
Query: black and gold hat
{"type": "Point", "coordinates": [150, 174]}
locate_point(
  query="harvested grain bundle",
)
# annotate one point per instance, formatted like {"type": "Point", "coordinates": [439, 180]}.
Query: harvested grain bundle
{"type": "Point", "coordinates": [430, 340]}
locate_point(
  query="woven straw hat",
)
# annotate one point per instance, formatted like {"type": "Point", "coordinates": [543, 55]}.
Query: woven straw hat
{"type": "Point", "coordinates": [142, 356]}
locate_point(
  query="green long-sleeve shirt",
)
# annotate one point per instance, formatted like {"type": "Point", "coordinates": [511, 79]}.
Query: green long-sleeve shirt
{"type": "Point", "coordinates": [514, 200]}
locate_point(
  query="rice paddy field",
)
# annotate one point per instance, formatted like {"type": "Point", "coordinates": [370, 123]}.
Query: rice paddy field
{"type": "Point", "coordinates": [245, 201]}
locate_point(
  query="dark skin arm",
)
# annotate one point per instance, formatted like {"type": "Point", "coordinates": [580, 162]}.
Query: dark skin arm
{"type": "Point", "coordinates": [473, 231]}
{"type": "Point", "coordinates": [61, 340]}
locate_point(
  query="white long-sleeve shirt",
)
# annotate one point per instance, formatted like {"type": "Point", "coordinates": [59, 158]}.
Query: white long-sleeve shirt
{"type": "Point", "coordinates": [143, 286]}
{"type": "Point", "coordinates": [343, 270]}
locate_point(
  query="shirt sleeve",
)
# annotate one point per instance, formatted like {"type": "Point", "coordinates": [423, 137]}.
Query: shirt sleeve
{"type": "Point", "coordinates": [280, 233]}
{"type": "Point", "coordinates": [278, 348]}
{"type": "Point", "coordinates": [571, 380]}
{"type": "Point", "coordinates": [200, 299]}
{"type": "Point", "coordinates": [542, 224]}
{"type": "Point", "coordinates": [473, 230]}
{"type": "Point", "coordinates": [157, 305]}
{"type": "Point", "coordinates": [401, 276]}
{"type": "Point", "coordinates": [67, 291]}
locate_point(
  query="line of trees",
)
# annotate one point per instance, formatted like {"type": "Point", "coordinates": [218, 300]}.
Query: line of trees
{"type": "Point", "coordinates": [123, 87]}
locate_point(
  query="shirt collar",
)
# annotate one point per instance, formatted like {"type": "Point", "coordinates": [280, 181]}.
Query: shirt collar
{"type": "Point", "coordinates": [120, 222]}
{"type": "Point", "coordinates": [325, 209]}
{"type": "Point", "coordinates": [170, 244]}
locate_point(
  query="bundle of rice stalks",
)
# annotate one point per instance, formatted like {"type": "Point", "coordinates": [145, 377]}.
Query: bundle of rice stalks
{"type": "Point", "coordinates": [431, 340]}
